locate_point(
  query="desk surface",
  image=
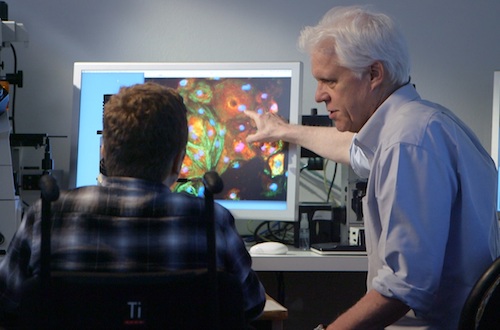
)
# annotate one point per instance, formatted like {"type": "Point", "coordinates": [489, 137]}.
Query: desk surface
{"type": "Point", "coordinates": [298, 260]}
{"type": "Point", "coordinates": [273, 310]}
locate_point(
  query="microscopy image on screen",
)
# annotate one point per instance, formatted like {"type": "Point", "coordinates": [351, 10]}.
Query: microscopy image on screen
{"type": "Point", "coordinates": [217, 135]}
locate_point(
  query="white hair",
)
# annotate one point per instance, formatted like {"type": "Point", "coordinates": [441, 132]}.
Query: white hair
{"type": "Point", "coordinates": [359, 36]}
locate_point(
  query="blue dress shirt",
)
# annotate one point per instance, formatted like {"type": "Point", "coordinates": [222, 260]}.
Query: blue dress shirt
{"type": "Point", "coordinates": [429, 212]}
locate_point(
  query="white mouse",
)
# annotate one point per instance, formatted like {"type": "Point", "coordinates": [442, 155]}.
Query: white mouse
{"type": "Point", "coordinates": [269, 248]}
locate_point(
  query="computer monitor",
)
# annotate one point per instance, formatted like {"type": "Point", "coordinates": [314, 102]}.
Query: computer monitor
{"type": "Point", "coordinates": [260, 180]}
{"type": "Point", "coordinates": [495, 129]}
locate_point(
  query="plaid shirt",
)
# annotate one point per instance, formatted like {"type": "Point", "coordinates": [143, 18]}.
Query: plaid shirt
{"type": "Point", "coordinates": [127, 224]}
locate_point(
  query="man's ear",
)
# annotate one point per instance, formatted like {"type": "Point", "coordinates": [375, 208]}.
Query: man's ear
{"type": "Point", "coordinates": [173, 173]}
{"type": "Point", "coordinates": [377, 74]}
{"type": "Point", "coordinates": [179, 158]}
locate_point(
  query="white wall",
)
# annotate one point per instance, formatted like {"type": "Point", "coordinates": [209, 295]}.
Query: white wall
{"type": "Point", "coordinates": [455, 46]}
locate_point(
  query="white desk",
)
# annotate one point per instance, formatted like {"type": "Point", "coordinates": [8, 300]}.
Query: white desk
{"type": "Point", "coordinates": [274, 312]}
{"type": "Point", "coordinates": [306, 261]}
{"type": "Point", "coordinates": [296, 261]}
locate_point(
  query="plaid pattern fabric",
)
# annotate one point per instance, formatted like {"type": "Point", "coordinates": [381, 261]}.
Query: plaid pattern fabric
{"type": "Point", "coordinates": [126, 224]}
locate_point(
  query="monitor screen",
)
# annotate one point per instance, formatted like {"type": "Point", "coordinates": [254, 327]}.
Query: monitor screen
{"type": "Point", "coordinates": [495, 129]}
{"type": "Point", "coordinates": [260, 180]}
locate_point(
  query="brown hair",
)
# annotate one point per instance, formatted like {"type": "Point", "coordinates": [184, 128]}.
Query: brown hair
{"type": "Point", "coordinates": [144, 129]}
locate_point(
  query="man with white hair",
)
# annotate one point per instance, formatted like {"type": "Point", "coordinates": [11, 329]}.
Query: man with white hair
{"type": "Point", "coordinates": [431, 185]}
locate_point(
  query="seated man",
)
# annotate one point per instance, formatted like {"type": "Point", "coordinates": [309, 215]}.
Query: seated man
{"type": "Point", "coordinates": [109, 226]}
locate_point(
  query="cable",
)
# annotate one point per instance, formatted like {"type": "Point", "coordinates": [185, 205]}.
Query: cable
{"type": "Point", "coordinates": [276, 231]}
{"type": "Point", "coordinates": [256, 234]}
{"type": "Point", "coordinates": [303, 168]}
{"type": "Point", "coordinates": [13, 100]}
{"type": "Point", "coordinates": [280, 234]}
{"type": "Point", "coordinates": [15, 57]}
{"type": "Point", "coordinates": [331, 183]}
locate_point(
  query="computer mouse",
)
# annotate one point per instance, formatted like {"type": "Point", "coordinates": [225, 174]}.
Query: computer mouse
{"type": "Point", "coordinates": [269, 248]}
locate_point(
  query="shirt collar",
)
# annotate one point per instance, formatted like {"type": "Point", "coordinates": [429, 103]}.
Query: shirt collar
{"type": "Point", "coordinates": [368, 138]}
{"type": "Point", "coordinates": [133, 184]}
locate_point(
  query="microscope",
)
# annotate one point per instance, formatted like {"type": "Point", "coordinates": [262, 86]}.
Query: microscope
{"type": "Point", "coordinates": [10, 215]}
{"type": "Point", "coordinates": [10, 205]}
